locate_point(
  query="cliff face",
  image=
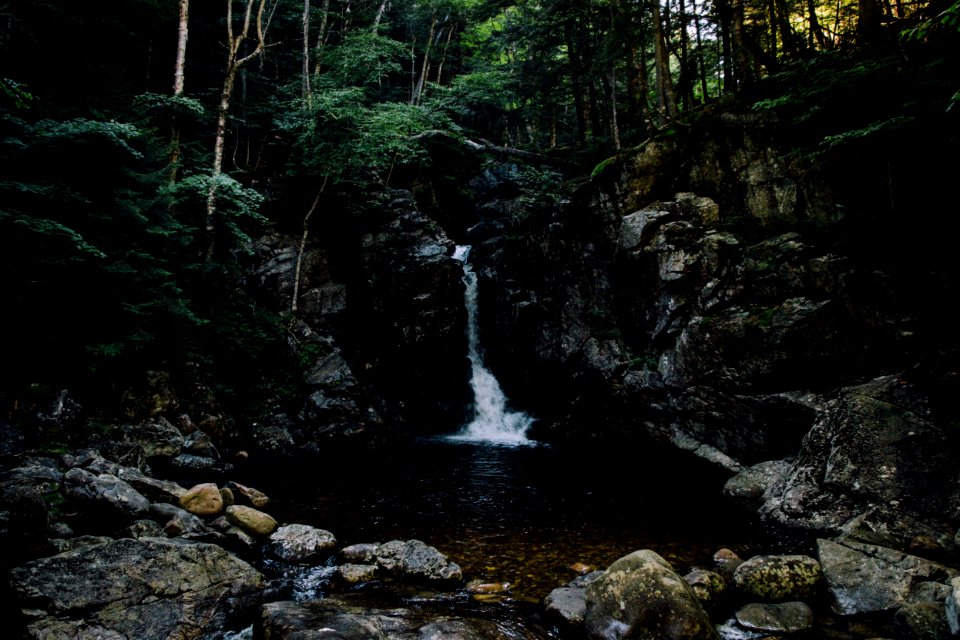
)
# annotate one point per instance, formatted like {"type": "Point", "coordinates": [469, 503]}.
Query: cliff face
{"type": "Point", "coordinates": [707, 292]}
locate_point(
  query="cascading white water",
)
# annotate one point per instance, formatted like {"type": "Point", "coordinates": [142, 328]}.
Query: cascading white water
{"type": "Point", "coordinates": [492, 421]}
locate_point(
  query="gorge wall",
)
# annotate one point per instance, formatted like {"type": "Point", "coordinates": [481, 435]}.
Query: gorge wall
{"type": "Point", "coordinates": [708, 291]}
{"type": "Point", "coordinates": [780, 319]}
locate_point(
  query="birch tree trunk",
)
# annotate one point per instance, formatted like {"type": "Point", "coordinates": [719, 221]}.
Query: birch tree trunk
{"type": "Point", "coordinates": [178, 84]}
{"type": "Point", "coordinates": [376, 20]}
{"type": "Point", "coordinates": [234, 62]}
{"type": "Point", "coordinates": [182, 33]}
{"type": "Point", "coordinates": [305, 88]}
{"type": "Point", "coordinates": [425, 69]}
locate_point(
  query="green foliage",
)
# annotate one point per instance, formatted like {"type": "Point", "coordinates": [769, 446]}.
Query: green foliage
{"type": "Point", "coordinates": [46, 227]}
{"type": "Point", "coordinates": [364, 59]}
{"type": "Point", "coordinates": [946, 20]}
{"type": "Point", "coordinates": [836, 100]}
{"type": "Point", "coordinates": [154, 104]}
{"type": "Point", "coordinates": [871, 130]}
{"type": "Point", "coordinates": [343, 138]}
{"type": "Point", "coordinates": [234, 202]}
{"type": "Point", "coordinates": [15, 92]}
{"type": "Point", "coordinates": [539, 187]}
{"type": "Point", "coordinates": [602, 167]}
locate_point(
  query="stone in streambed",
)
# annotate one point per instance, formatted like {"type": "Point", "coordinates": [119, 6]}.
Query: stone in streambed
{"type": "Point", "coordinates": [251, 520]}
{"type": "Point", "coordinates": [203, 499]}
{"type": "Point", "coordinates": [641, 597]}
{"type": "Point", "coordinates": [301, 543]}
{"type": "Point", "coordinates": [105, 493]}
{"type": "Point", "coordinates": [415, 560]}
{"type": "Point", "coordinates": [779, 577]}
{"type": "Point", "coordinates": [351, 574]}
{"type": "Point", "coordinates": [780, 618]}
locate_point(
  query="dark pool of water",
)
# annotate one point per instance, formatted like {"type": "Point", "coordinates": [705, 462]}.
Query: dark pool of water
{"type": "Point", "coordinates": [524, 514]}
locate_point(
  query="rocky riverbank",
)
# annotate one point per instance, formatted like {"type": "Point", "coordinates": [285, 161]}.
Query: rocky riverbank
{"type": "Point", "coordinates": [100, 548]}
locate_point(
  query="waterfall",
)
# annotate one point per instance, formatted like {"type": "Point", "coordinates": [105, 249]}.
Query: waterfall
{"type": "Point", "coordinates": [492, 421]}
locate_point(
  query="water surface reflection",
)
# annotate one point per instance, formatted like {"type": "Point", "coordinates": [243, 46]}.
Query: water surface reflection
{"type": "Point", "coordinates": [524, 514]}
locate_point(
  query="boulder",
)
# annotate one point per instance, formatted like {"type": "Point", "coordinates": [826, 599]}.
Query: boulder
{"type": "Point", "coordinates": [641, 597]}
{"type": "Point", "coordinates": [176, 521]}
{"type": "Point", "coordinates": [874, 444]}
{"type": "Point", "coordinates": [256, 498]}
{"type": "Point", "coordinates": [953, 606]}
{"type": "Point", "coordinates": [301, 543]}
{"type": "Point", "coordinates": [708, 586]}
{"type": "Point", "coordinates": [417, 561]}
{"type": "Point", "coordinates": [149, 589]}
{"type": "Point", "coordinates": [153, 489]}
{"type": "Point", "coordinates": [251, 520]}
{"type": "Point", "coordinates": [780, 619]}
{"type": "Point", "coordinates": [362, 553]}
{"type": "Point", "coordinates": [104, 494]}
{"type": "Point", "coordinates": [24, 513]}
{"type": "Point", "coordinates": [157, 436]}
{"type": "Point", "coordinates": [865, 578]}
{"type": "Point", "coordinates": [203, 499]}
{"type": "Point", "coordinates": [350, 618]}
{"type": "Point", "coordinates": [922, 621]}
{"type": "Point", "coordinates": [775, 578]}
{"type": "Point", "coordinates": [566, 607]}
{"type": "Point", "coordinates": [350, 574]}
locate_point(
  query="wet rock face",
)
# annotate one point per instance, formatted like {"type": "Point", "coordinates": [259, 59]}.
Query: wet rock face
{"type": "Point", "coordinates": [866, 578]}
{"type": "Point", "coordinates": [379, 326]}
{"type": "Point", "coordinates": [150, 588]}
{"type": "Point", "coordinates": [703, 291]}
{"type": "Point", "coordinates": [411, 300]}
{"type": "Point", "coordinates": [876, 443]}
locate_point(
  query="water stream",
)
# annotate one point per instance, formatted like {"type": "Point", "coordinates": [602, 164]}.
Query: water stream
{"type": "Point", "coordinates": [492, 420]}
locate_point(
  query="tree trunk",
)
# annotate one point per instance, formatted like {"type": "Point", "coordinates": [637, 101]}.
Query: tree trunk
{"type": "Point", "coordinates": [666, 102]}
{"type": "Point", "coordinates": [303, 247]}
{"type": "Point", "coordinates": [638, 107]}
{"type": "Point", "coordinates": [307, 94]}
{"type": "Point", "coordinates": [425, 69]}
{"type": "Point", "coordinates": [178, 84]}
{"type": "Point", "coordinates": [443, 56]}
{"type": "Point", "coordinates": [816, 36]}
{"type": "Point", "coordinates": [614, 125]}
{"type": "Point", "coordinates": [745, 73]}
{"type": "Point", "coordinates": [725, 15]}
{"type": "Point", "coordinates": [869, 16]}
{"type": "Point", "coordinates": [322, 33]}
{"type": "Point", "coordinates": [575, 81]}
{"type": "Point", "coordinates": [772, 8]}
{"type": "Point", "coordinates": [376, 20]}
{"type": "Point", "coordinates": [234, 62]}
{"type": "Point", "coordinates": [182, 33]}
{"type": "Point", "coordinates": [686, 77]}
{"type": "Point", "coordinates": [701, 63]}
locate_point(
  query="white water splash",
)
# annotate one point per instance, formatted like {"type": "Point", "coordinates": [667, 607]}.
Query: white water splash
{"type": "Point", "coordinates": [492, 420]}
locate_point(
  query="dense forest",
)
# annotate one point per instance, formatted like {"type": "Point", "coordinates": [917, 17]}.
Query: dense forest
{"type": "Point", "coordinates": [143, 143]}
